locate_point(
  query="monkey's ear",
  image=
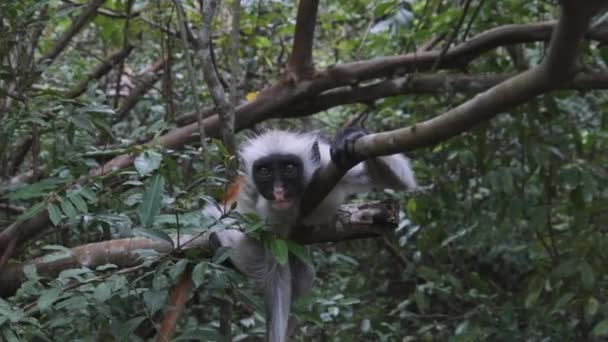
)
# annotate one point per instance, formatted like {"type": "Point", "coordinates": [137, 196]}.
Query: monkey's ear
{"type": "Point", "coordinates": [315, 154]}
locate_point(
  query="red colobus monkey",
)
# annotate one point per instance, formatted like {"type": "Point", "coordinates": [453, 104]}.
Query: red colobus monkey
{"type": "Point", "coordinates": [277, 166]}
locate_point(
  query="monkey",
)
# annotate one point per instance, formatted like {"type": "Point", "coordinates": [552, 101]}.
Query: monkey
{"type": "Point", "coordinates": [276, 168]}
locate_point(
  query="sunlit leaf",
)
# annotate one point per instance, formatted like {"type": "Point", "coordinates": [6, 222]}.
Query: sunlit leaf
{"type": "Point", "coordinates": [152, 199]}
{"type": "Point", "coordinates": [279, 249]}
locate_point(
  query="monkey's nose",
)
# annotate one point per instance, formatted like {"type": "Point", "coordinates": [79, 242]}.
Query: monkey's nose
{"type": "Point", "coordinates": [279, 193]}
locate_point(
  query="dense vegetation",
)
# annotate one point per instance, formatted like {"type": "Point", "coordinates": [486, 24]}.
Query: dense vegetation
{"type": "Point", "coordinates": [507, 239]}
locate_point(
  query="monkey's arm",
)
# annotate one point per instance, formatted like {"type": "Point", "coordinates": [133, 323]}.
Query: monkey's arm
{"type": "Point", "coordinates": [391, 171]}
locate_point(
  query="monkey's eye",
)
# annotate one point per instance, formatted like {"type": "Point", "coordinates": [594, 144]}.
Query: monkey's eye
{"type": "Point", "coordinates": [290, 169]}
{"type": "Point", "coordinates": [263, 171]}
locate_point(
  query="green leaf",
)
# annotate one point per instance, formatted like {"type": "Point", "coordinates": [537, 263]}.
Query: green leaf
{"type": "Point", "coordinates": [176, 270]}
{"type": "Point", "coordinates": [155, 300]}
{"type": "Point", "coordinates": [299, 251]}
{"type": "Point", "coordinates": [154, 234]}
{"type": "Point", "coordinates": [73, 273]}
{"type": "Point", "coordinates": [102, 293]}
{"type": "Point", "coordinates": [147, 162]}
{"type": "Point", "coordinates": [221, 254]}
{"type": "Point", "coordinates": [97, 109]}
{"type": "Point", "coordinates": [88, 193]}
{"type": "Point", "coordinates": [30, 272]}
{"type": "Point", "coordinates": [592, 307]}
{"type": "Point", "coordinates": [33, 210]}
{"type": "Point", "coordinates": [198, 273]}
{"type": "Point", "coordinates": [507, 181]}
{"type": "Point", "coordinates": [567, 268]}
{"type": "Point", "coordinates": [48, 298]}
{"type": "Point", "coordinates": [54, 213]}
{"type": "Point", "coordinates": [384, 8]}
{"type": "Point", "coordinates": [79, 202]}
{"type": "Point", "coordinates": [67, 208]}
{"type": "Point", "coordinates": [152, 199]}
{"type": "Point", "coordinates": [587, 276]}
{"type": "Point", "coordinates": [279, 249]}
{"type": "Point", "coordinates": [534, 289]}
{"type": "Point", "coordinates": [122, 330]}
{"type": "Point", "coordinates": [601, 329]}
{"type": "Point", "coordinates": [421, 301]}
{"type": "Point", "coordinates": [39, 189]}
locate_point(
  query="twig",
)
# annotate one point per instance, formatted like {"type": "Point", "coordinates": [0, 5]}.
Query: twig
{"type": "Point", "coordinates": [214, 86]}
{"type": "Point", "coordinates": [181, 19]}
{"type": "Point", "coordinates": [100, 70]}
{"type": "Point", "coordinates": [88, 12]}
{"type": "Point", "coordinates": [454, 34]}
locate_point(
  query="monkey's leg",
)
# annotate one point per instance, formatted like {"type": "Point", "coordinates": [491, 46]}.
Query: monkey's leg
{"type": "Point", "coordinates": [271, 278]}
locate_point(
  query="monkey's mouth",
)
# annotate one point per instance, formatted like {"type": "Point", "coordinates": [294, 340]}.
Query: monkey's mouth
{"type": "Point", "coordinates": [282, 204]}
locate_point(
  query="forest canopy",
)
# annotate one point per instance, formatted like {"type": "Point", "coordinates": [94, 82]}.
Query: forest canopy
{"type": "Point", "coordinates": [120, 120]}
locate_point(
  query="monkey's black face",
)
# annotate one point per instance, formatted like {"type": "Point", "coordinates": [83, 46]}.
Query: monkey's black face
{"type": "Point", "coordinates": [280, 179]}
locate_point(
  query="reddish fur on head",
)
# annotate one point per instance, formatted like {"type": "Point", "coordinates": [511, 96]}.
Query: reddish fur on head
{"type": "Point", "coordinates": [232, 191]}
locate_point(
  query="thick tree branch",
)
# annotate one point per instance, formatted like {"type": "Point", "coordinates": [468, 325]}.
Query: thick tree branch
{"type": "Point", "coordinates": [352, 222]}
{"type": "Point", "coordinates": [554, 71]}
{"type": "Point", "coordinates": [300, 64]}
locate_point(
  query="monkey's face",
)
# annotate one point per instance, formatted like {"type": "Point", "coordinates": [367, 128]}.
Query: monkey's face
{"type": "Point", "coordinates": [280, 179]}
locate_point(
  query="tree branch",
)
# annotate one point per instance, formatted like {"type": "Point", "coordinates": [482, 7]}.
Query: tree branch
{"type": "Point", "coordinates": [144, 83]}
{"type": "Point", "coordinates": [352, 222]}
{"type": "Point", "coordinates": [183, 29]}
{"type": "Point", "coordinates": [88, 12]}
{"type": "Point", "coordinates": [554, 71]}
{"type": "Point", "coordinates": [211, 78]}
{"type": "Point", "coordinates": [300, 64]}
{"type": "Point", "coordinates": [100, 70]}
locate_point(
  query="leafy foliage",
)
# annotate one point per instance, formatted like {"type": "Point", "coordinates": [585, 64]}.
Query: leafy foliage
{"type": "Point", "coordinates": [508, 241]}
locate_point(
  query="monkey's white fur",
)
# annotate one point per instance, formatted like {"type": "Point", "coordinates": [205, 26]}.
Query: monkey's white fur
{"type": "Point", "coordinates": [357, 180]}
{"type": "Point", "coordinates": [281, 284]}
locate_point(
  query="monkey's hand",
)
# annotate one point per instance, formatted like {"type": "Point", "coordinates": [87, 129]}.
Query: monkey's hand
{"type": "Point", "coordinates": [342, 147]}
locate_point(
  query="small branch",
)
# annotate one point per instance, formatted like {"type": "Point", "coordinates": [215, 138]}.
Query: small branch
{"type": "Point", "coordinates": [88, 12]}
{"type": "Point", "coordinates": [144, 83]}
{"type": "Point", "coordinates": [190, 117]}
{"type": "Point", "coordinates": [125, 45]}
{"type": "Point", "coordinates": [234, 71]}
{"type": "Point", "coordinates": [100, 70]}
{"type": "Point", "coordinates": [181, 18]}
{"type": "Point", "coordinates": [19, 154]}
{"type": "Point", "coordinates": [300, 65]}
{"type": "Point", "coordinates": [454, 35]}
{"type": "Point", "coordinates": [352, 222]}
{"type": "Point", "coordinates": [226, 317]}
{"type": "Point", "coordinates": [175, 308]}
{"type": "Point", "coordinates": [211, 78]}
{"type": "Point", "coordinates": [394, 251]}
{"type": "Point", "coordinates": [110, 14]}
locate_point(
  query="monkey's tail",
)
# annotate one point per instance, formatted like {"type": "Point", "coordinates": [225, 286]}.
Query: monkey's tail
{"type": "Point", "coordinates": [277, 297]}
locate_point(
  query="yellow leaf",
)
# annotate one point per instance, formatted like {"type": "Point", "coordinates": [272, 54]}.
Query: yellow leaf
{"type": "Point", "coordinates": [251, 96]}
